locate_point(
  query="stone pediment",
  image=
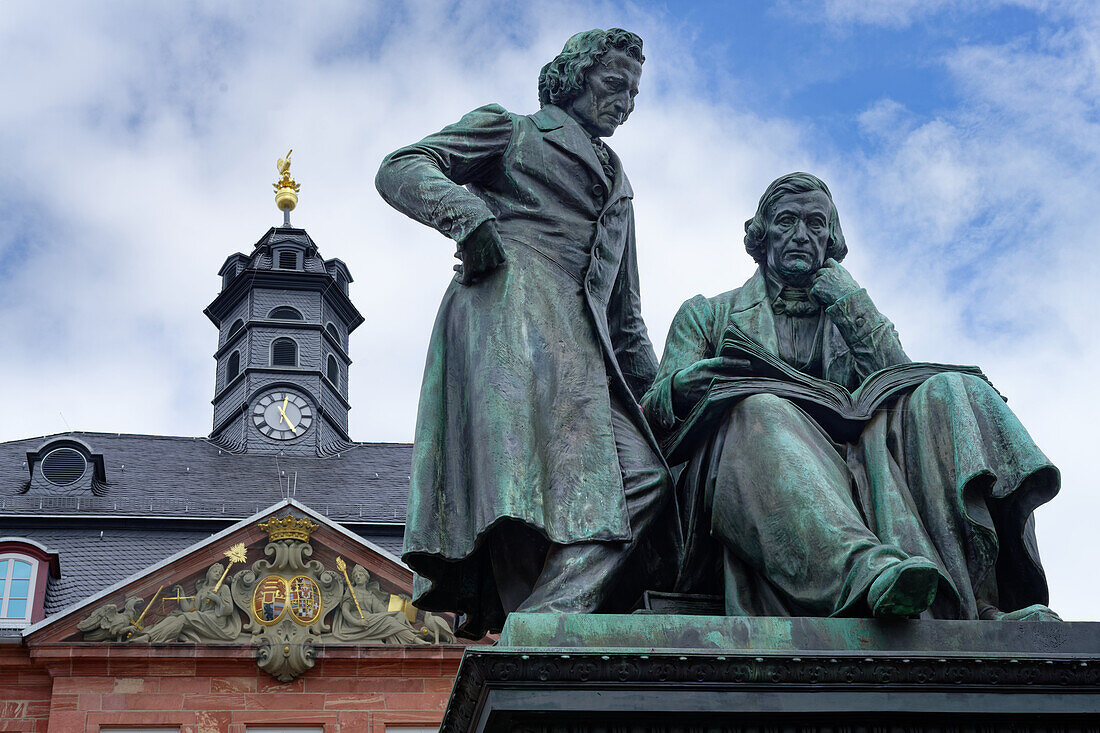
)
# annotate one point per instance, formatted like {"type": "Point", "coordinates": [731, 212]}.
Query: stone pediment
{"type": "Point", "coordinates": [284, 581]}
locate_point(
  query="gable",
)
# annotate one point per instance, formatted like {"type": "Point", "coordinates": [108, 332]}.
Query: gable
{"type": "Point", "coordinates": [286, 580]}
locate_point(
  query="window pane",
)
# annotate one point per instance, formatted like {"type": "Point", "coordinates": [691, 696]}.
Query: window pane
{"type": "Point", "coordinates": [17, 608]}
{"type": "Point", "coordinates": [19, 588]}
{"type": "Point", "coordinates": [21, 570]}
{"type": "Point", "coordinates": [3, 569]}
{"type": "Point", "coordinates": [1, 590]}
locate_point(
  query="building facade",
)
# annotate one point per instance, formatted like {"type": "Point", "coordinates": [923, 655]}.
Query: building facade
{"type": "Point", "coordinates": [248, 580]}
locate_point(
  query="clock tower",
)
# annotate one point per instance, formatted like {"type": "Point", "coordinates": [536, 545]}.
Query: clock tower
{"type": "Point", "coordinates": [283, 317]}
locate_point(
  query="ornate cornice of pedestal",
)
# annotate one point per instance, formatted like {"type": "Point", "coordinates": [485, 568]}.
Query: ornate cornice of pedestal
{"type": "Point", "coordinates": [984, 669]}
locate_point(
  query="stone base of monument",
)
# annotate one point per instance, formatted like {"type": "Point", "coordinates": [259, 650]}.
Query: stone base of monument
{"type": "Point", "coordinates": [611, 673]}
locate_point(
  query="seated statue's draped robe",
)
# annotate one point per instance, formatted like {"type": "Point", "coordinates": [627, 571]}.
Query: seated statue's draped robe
{"type": "Point", "coordinates": [785, 521]}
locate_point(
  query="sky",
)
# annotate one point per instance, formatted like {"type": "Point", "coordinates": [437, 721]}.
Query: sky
{"type": "Point", "coordinates": [138, 141]}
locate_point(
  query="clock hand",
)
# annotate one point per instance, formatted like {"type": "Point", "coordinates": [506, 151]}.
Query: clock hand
{"type": "Point", "coordinates": [287, 421]}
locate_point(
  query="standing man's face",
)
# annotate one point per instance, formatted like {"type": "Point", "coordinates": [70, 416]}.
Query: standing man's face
{"type": "Point", "coordinates": [608, 95]}
{"type": "Point", "coordinates": [797, 236]}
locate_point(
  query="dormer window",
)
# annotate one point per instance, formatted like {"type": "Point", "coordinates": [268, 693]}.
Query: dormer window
{"type": "Point", "coordinates": [285, 313]}
{"type": "Point", "coordinates": [25, 569]}
{"type": "Point", "coordinates": [287, 259]}
{"type": "Point", "coordinates": [284, 352]}
{"type": "Point", "coordinates": [64, 466]}
{"type": "Point", "coordinates": [17, 578]}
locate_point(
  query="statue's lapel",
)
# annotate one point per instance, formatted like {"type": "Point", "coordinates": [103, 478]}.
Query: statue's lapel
{"type": "Point", "coordinates": [753, 315]}
{"type": "Point", "coordinates": [563, 132]}
{"type": "Point", "coordinates": [620, 188]}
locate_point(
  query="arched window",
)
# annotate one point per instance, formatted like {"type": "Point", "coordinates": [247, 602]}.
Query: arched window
{"type": "Point", "coordinates": [333, 370]}
{"type": "Point", "coordinates": [331, 328]}
{"type": "Point", "coordinates": [237, 326]}
{"type": "Point", "coordinates": [284, 352]}
{"type": "Point", "coordinates": [287, 259]}
{"type": "Point", "coordinates": [285, 313]}
{"type": "Point", "coordinates": [16, 590]}
{"type": "Point", "coordinates": [233, 367]}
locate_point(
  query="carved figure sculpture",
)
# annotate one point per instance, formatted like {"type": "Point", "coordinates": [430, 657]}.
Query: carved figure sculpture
{"type": "Point", "coordinates": [928, 507]}
{"type": "Point", "coordinates": [107, 623]}
{"type": "Point", "coordinates": [535, 477]}
{"type": "Point", "coordinates": [436, 629]}
{"type": "Point", "coordinates": [210, 616]}
{"type": "Point", "coordinates": [370, 621]}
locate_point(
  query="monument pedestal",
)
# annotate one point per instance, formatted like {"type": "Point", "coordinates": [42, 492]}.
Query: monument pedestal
{"type": "Point", "coordinates": [627, 673]}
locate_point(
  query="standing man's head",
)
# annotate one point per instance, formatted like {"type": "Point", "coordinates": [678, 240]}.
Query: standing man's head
{"type": "Point", "coordinates": [595, 79]}
{"type": "Point", "coordinates": [795, 229]}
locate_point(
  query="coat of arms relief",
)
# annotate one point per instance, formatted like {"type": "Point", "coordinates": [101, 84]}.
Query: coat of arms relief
{"type": "Point", "coordinates": [285, 604]}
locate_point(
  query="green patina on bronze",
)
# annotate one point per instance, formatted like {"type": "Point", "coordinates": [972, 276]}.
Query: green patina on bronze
{"type": "Point", "coordinates": [929, 507]}
{"type": "Point", "coordinates": [538, 342]}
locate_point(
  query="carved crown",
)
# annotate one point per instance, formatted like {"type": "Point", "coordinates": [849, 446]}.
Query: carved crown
{"type": "Point", "coordinates": [289, 528]}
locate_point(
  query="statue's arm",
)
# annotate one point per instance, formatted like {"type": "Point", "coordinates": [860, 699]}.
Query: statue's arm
{"type": "Point", "coordinates": [629, 335]}
{"type": "Point", "coordinates": [870, 336]}
{"type": "Point", "coordinates": [688, 342]}
{"type": "Point", "coordinates": [426, 180]}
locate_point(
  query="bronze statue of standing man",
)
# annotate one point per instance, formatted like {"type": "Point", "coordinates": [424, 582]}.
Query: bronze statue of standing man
{"type": "Point", "coordinates": [536, 483]}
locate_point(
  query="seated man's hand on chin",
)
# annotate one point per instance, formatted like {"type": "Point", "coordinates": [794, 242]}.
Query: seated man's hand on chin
{"type": "Point", "coordinates": [831, 283]}
{"type": "Point", "coordinates": [690, 384]}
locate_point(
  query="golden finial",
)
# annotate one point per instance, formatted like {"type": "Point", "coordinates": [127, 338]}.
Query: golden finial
{"type": "Point", "coordinates": [286, 190]}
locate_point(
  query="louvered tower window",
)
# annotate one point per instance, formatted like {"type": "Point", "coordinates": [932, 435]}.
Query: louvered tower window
{"type": "Point", "coordinates": [288, 259]}
{"type": "Point", "coordinates": [333, 370]}
{"type": "Point", "coordinates": [237, 326]}
{"type": "Point", "coordinates": [233, 367]}
{"type": "Point", "coordinates": [284, 352]}
{"type": "Point", "coordinates": [64, 466]}
{"type": "Point", "coordinates": [285, 313]}
{"type": "Point", "coordinates": [342, 281]}
{"type": "Point", "coordinates": [331, 328]}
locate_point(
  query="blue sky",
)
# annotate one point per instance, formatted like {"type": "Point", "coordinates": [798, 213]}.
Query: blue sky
{"type": "Point", "coordinates": [961, 141]}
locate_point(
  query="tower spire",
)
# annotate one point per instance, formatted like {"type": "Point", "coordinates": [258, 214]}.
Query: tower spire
{"type": "Point", "coordinates": [286, 190]}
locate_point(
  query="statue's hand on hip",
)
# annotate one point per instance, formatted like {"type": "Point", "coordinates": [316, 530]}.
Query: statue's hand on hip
{"type": "Point", "coordinates": [481, 253]}
{"type": "Point", "coordinates": [690, 384]}
{"type": "Point", "coordinates": [831, 283]}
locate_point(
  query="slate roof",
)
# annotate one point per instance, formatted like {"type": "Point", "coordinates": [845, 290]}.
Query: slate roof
{"type": "Point", "coordinates": [176, 491]}
{"type": "Point", "coordinates": [192, 477]}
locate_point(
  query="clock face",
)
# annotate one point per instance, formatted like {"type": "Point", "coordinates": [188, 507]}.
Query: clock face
{"type": "Point", "coordinates": [282, 415]}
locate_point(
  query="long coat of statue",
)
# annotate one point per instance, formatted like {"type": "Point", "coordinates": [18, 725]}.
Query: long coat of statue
{"type": "Point", "coordinates": [515, 418]}
{"type": "Point", "coordinates": [947, 472]}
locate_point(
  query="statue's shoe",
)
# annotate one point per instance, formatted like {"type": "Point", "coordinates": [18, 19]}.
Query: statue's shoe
{"type": "Point", "coordinates": [904, 589]}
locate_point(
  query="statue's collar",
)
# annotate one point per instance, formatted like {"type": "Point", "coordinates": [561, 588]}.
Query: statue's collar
{"type": "Point", "coordinates": [551, 117]}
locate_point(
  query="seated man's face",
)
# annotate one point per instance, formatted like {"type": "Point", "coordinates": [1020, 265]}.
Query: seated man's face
{"type": "Point", "coordinates": [608, 95]}
{"type": "Point", "coordinates": [797, 236]}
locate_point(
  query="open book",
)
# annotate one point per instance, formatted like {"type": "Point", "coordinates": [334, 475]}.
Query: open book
{"type": "Point", "coordinates": [841, 413]}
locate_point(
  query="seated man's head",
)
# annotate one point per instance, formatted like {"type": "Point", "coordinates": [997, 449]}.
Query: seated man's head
{"type": "Point", "coordinates": [795, 229]}
{"type": "Point", "coordinates": [595, 79]}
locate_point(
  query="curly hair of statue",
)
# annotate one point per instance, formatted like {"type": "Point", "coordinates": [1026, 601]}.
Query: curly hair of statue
{"type": "Point", "coordinates": [563, 78]}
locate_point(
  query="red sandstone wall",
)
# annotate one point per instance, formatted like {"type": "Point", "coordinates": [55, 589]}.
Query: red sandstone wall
{"type": "Point", "coordinates": [24, 691]}
{"type": "Point", "coordinates": [218, 690]}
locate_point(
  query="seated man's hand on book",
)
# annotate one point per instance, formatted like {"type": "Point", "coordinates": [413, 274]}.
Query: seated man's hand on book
{"type": "Point", "coordinates": [690, 384]}
{"type": "Point", "coordinates": [831, 283]}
